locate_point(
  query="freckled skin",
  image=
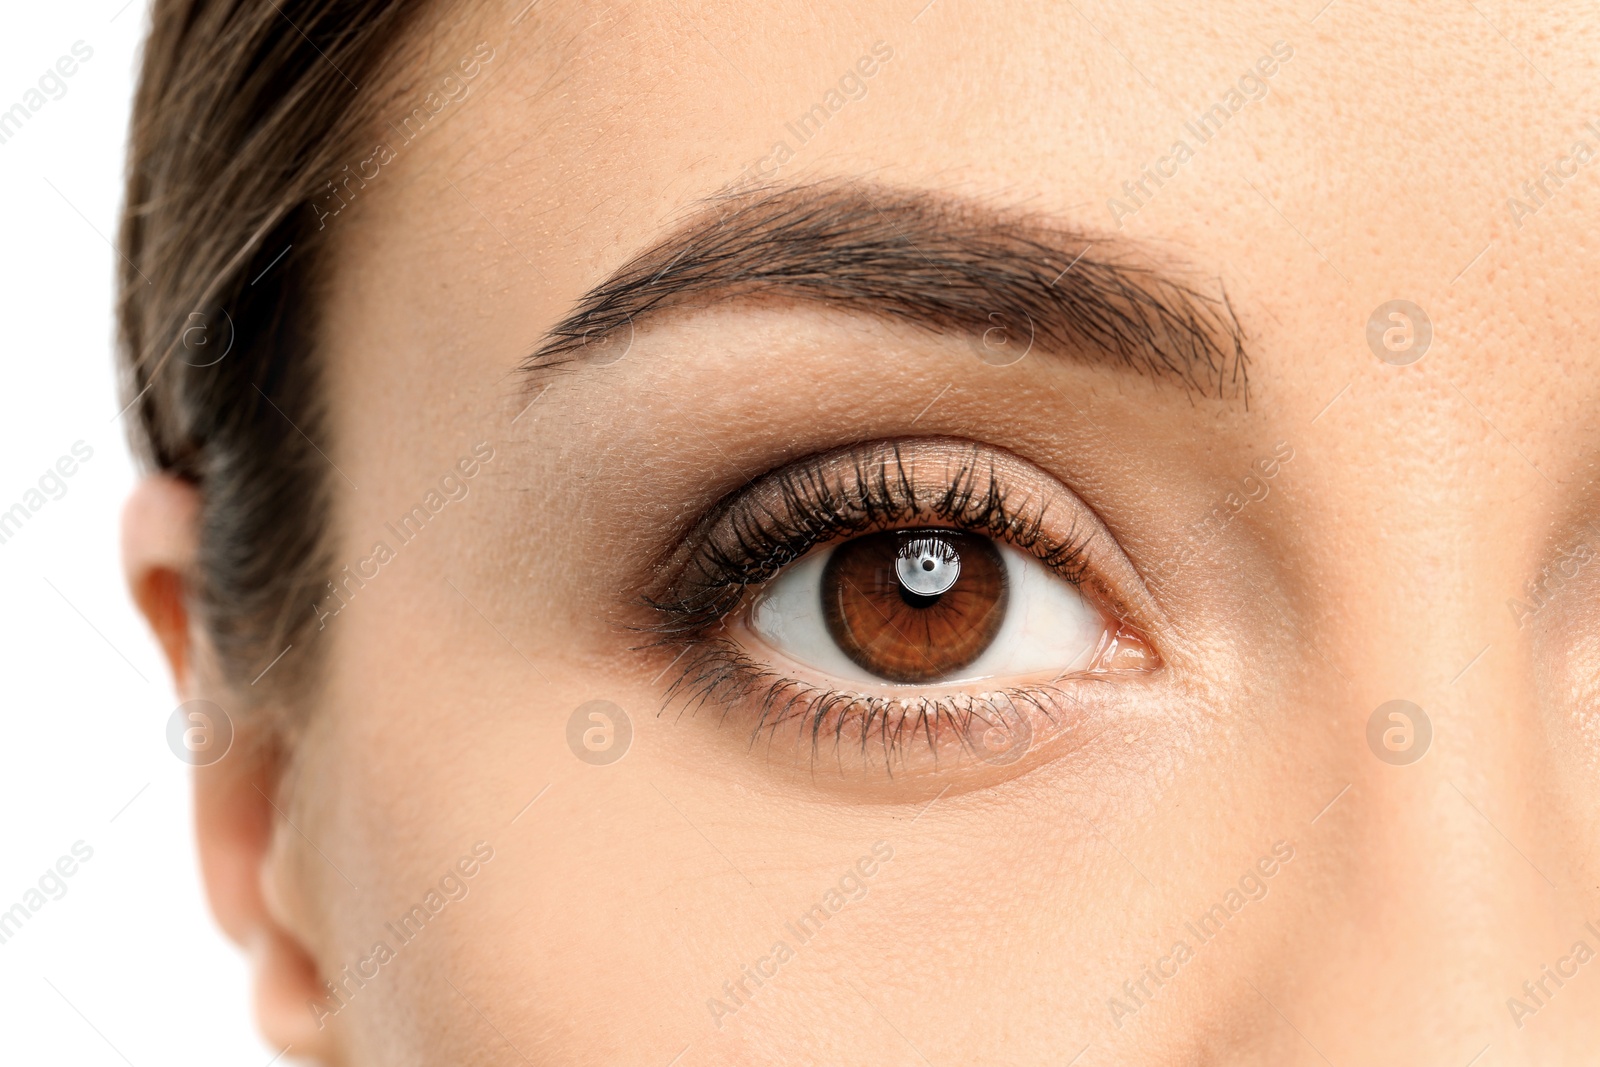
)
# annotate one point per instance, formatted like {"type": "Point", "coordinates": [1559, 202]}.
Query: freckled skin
{"type": "Point", "coordinates": [1378, 161]}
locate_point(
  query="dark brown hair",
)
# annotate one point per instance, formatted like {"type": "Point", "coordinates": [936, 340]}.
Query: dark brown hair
{"type": "Point", "coordinates": [244, 112]}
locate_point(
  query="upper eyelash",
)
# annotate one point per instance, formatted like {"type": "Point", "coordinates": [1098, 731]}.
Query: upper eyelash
{"type": "Point", "coordinates": [823, 503]}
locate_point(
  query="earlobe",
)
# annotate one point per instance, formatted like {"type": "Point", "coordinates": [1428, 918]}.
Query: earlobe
{"type": "Point", "coordinates": [242, 863]}
{"type": "Point", "coordinates": [288, 994]}
{"type": "Point", "coordinates": [234, 819]}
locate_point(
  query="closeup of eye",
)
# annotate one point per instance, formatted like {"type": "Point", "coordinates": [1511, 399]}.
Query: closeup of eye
{"type": "Point", "coordinates": [927, 606]}
{"type": "Point", "coordinates": [934, 591]}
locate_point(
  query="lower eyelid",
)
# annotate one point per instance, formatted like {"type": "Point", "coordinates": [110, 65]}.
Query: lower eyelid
{"type": "Point", "coordinates": [991, 730]}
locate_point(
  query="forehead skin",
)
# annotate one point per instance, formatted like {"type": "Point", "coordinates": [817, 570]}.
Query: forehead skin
{"type": "Point", "coordinates": [1420, 498]}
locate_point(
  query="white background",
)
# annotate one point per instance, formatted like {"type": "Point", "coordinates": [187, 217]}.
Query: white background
{"type": "Point", "coordinates": [128, 967]}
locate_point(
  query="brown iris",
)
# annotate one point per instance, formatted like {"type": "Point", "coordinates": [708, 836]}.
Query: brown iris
{"type": "Point", "coordinates": [913, 606]}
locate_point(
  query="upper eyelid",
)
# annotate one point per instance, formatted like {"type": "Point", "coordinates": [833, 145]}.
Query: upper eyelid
{"type": "Point", "coordinates": [872, 498]}
{"type": "Point", "coordinates": [1084, 549]}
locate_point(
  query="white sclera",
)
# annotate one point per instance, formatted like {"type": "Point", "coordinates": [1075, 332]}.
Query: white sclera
{"type": "Point", "coordinates": [1049, 625]}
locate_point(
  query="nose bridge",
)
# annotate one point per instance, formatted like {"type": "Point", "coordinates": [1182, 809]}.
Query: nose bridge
{"type": "Point", "coordinates": [1429, 514]}
{"type": "Point", "coordinates": [1443, 721]}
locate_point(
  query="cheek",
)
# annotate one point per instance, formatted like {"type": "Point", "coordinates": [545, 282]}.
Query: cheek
{"type": "Point", "coordinates": [447, 731]}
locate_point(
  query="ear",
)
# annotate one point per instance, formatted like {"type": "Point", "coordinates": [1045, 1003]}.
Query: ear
{"type": "Point", "coordinates": [160, 547]}
{"type": "Point", "coordinates": [234, 820]}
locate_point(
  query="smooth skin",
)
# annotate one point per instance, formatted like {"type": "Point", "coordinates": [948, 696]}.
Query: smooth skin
{"type": "Point", "coordinates": [1420, 498]}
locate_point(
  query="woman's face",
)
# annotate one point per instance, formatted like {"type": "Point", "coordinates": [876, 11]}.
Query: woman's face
{"type": "Point", "coordinates": [1240, 357]}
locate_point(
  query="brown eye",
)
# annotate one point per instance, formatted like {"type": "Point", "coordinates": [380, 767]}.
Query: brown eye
{"type": "Point", "coordinates": [913, 606]}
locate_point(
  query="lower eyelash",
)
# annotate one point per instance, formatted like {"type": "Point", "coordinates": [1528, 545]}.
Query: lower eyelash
{"type": "Point", "coordinates": [720, 675]}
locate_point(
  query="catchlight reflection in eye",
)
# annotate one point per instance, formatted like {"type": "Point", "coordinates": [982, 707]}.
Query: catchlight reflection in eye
{"type": "Point", "coordinates": [927, 606]}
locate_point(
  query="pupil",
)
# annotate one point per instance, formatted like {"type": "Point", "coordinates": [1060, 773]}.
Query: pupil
{"type": "Point", "coordinates": [926, 564]}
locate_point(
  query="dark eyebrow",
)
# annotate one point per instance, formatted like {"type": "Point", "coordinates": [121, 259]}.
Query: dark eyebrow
{"type": "Point", "coordinates": [937, 262]}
